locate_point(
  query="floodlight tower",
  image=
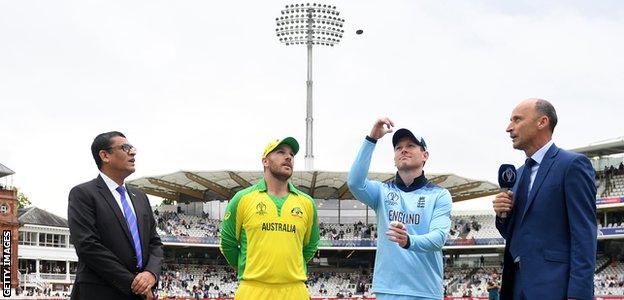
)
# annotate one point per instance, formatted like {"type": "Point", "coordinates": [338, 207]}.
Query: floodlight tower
{"type": "Point", "coordinates": [309, 24]}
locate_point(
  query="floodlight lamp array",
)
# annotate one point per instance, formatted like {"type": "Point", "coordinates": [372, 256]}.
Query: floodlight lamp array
{"type": "Point", "coordinates": [309, 24]}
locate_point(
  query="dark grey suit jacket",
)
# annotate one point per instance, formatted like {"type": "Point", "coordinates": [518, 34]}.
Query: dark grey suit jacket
{"type": "Point", "coordinates": [106, 257]}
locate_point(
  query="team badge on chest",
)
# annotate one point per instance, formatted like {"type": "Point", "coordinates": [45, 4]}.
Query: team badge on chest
{"type": "Point", "coordinates": [296, 212]}
{"type": "Point", "coordinates": [421, 202]}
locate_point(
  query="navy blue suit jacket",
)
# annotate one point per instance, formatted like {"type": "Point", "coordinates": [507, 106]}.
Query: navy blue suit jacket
{"type": "Point", "coordinates": [557, 231]}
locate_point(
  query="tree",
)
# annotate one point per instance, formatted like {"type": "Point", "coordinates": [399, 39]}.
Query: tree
{"type": "Point", "coordinates": [22, 200]}
{"type": "Point", "coordinates": [166, 201]}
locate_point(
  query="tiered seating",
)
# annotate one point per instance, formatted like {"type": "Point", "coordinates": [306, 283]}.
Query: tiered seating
{"type": "Point", "coordinates": [174, 224]}
{"type": "Point", "coordinates": [608, 282]}
{"type": "Point", "coordinates": [452, 276]}
{"type": "Point", "coordinates": [611, 280]}
{"type": "Point", "coordinates": [185, 280]}
{"type": "Point", "coordinates": [618, 186]}
{"type": "Point", "coordinates": [178, 224]}
{"type": "Point", "coordinates": [476, 284]}
{"type": "Point", "coordinates": [455, 280]}
{"type": "Point", "coordinates": [476, 226]}
{"type": "Point", "coordinates": [601, 260]}
{"type": "Point", "coordinates": [613, 185]}
{"type": "Point", "coordinates": [220, 281]}
{"type": "Point", "coordinates": [487, 229]}
{"type": "Point", "coordinates": [357, 231]}
{"type": "Point", "coordinates": [333, 284]}
{"type": "Point", "coordinates": [611, 225]}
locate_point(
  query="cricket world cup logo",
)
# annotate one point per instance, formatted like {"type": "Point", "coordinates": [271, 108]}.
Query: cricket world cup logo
{"type": "Point", "coordinates": [509, 176]}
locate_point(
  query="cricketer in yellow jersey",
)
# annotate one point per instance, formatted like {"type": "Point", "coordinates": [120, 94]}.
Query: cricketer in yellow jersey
{"type": "Point", "coordinates": [270, 230]}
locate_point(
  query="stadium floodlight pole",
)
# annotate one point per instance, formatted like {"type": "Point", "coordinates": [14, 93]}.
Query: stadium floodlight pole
{"type": "Point", "coordinates": [309, 24]}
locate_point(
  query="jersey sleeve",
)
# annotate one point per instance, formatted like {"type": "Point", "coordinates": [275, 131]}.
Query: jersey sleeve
{"type": "Point", "coordinates": [230, 232]}
{"type": "Point", "coordinates": [439, 228]}
{"type": "Point", "coordinates": [364, 190]}
{"type": "Point", "coordinates": [312, 236]}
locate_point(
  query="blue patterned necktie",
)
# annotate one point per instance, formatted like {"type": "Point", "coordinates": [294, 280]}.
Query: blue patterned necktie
{"type": "Point", "coordinates": [132, 225]}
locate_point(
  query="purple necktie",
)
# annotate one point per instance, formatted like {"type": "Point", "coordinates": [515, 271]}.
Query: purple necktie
{"type": "Point", "coordinates": [132, 225]}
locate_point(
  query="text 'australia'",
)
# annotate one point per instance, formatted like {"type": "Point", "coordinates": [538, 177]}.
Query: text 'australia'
{"type": "Point", "coordinates": [279, 227]}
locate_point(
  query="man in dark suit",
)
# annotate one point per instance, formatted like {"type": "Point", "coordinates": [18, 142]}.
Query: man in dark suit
{"type": "Point", "coordinates": [113, 229]}
{"type": "Point", "coordinates": [549, 218]}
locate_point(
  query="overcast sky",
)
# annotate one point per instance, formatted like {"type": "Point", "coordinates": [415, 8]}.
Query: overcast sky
{"type": "Point", "coordinates": [204, 85]}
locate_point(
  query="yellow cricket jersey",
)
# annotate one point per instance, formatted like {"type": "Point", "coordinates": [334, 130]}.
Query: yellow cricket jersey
{"type": "Point", "coordinates": [269, 239]}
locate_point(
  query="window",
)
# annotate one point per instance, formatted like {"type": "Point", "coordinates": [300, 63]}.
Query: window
{"type": "Point", "coordinates": [27, 266]}
{"type": "Point", "coordinates": [28, 238]}
{"type": "Point", "coordinates": [52, 240]}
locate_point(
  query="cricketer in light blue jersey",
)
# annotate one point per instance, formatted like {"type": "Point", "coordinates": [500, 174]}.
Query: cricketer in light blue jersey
{"type": "Point", "coordinates": [408, 264]}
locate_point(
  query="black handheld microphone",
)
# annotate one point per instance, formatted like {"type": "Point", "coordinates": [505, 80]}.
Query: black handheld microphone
{"type": "Point", "coordinates": [506, 179]}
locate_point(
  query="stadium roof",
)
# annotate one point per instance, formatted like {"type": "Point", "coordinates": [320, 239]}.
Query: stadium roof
{"type": "Point", "coordinates": [189, 186]}
{"type": "Point", "coordinates": [36, 216]}
{"type": "Point", "coordinates": [4, 171]}
{"type": "Point", "coordinates": [602, 149]}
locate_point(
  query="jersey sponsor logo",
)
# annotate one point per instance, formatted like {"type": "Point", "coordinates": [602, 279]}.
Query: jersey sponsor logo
{"type": "Point", "coordinates": [403, 217]}
{"type": "Point", "coordinates": [392, 198]}
{"type": "Point", "coordinates": [421, 202]}
{"type": "Point", "coordinates": [261, 209]}
{"type": "Point", "coordinates": [284, 227]}
{"type": "Point", "coordinates": [227, 215]}
{"type": "Point", "coordinates": [296, 212]}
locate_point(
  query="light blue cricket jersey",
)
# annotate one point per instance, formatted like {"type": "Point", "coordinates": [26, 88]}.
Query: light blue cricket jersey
{"type": "Point", "coordinates": [425, 209]}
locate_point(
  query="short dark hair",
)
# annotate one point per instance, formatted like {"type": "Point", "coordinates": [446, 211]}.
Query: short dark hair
{"type": "Point", "coordinates": [103, 142]}
{"type": "Point", "coordinates": [544, 108]}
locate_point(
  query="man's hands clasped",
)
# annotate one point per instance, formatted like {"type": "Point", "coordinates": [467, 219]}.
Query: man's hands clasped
{"type": "Point", "coordinates": [143, 283]}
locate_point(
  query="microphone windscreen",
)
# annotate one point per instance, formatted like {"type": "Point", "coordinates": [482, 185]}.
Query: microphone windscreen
{"type": "Point", "coordinates": [507, 176]}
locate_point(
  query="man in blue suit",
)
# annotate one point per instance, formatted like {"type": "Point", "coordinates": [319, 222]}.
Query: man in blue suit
{"type": "Point", "coordinates": [549, 218]}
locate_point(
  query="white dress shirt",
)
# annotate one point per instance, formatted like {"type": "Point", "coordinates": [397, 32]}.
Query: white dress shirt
{"type": "Point", "coordinates": [538, 157]}
{"type": "Point", "coordinates": [112, 186]}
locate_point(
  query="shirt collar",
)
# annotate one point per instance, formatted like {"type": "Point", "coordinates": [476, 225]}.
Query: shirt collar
{"type": "Point", "coordinates": [538, 156]}
{"type": "Point", "coordinates": [263, 187]}
{"type": "Point", "coordinates": [112, 185]}
{"type": "Point", "coordinates": [419, 182]}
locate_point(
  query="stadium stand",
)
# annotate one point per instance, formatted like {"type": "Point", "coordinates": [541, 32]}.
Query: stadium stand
{"type": "Point", "coordinates": [611, 280]}
{"type": "Point", "coordinates": [471, 282]}
{"type": "Point", "coordinates": [214, 280]}
{"type": "Point", "coordinates": [205, 275]}
{"type": "Point", "coordinates": [340, 283]}
{"type": "Point", "coordinates": [614, 220]}
{"type": "Point", "coordinates": [201, 281]}
{"type": "Point", "coordinates": [480, 226]}
{"type": "Point", "coordinates": [174, 224]}
{"type": "Point", "coordinates": [347, 231]}
{"type": "Point", "coordinates": [611, 181]}
{"type": "Point", "coordinates": [476, 226]}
